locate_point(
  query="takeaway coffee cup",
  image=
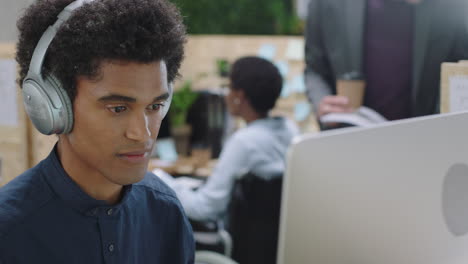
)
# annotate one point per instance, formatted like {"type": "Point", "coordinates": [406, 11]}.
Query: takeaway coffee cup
{"type": "Point", "coordinates": [351, 85]}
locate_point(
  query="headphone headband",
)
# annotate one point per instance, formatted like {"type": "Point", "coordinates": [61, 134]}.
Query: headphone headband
{"type": "Point", "coordinates": [40, 51]}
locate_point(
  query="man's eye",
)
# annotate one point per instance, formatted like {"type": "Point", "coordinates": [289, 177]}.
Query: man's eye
{"type": "Point", "coordinates": [118, 109]}
{"type": "Point", "coordinates": [155, 107]}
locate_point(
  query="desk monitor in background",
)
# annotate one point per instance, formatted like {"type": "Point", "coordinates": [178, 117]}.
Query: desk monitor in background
{"type": "Point", "coordinates": [394, 193]}
{"type": "Point", "coordinates": [165, 128]}
{"type": "Point", "coordinates": [207, 116]}
{"type": "Point", "coordinates": [165, 146]}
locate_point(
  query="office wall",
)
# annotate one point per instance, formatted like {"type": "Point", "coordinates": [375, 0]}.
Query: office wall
{"type": "Point", "coordinates": [9, 13]}
{"type": "Point", "coordinates": [21, 145]}
{"type": "Point", "coordinates": [13, 124]}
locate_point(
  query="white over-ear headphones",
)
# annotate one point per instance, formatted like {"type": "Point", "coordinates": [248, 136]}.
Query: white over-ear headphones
{"type": "Point", "coordinates": [46, 102]}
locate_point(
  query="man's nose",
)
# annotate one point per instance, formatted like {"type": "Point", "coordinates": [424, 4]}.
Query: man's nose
{"type": "Point", "coordinates": [138, 128]}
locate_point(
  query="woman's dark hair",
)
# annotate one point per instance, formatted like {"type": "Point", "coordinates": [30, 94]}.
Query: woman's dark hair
{"type": "Point", "coordinates": [102, 30]}
{"type": "Point", "coordinates": [259, 79]}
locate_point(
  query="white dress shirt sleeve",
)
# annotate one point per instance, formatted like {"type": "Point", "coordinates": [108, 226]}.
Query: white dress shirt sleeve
{"type": "Point", "coordinates": [211, 199]}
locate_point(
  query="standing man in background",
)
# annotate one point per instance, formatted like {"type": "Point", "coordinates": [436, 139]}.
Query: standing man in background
{"type": "Point", "coordinates": [99, 75]}
{"type": "Point", "coordinates": [397, 45]}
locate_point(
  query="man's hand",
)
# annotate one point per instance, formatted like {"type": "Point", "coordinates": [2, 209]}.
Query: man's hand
{"type": "Point", "coordinates": [334, 104]}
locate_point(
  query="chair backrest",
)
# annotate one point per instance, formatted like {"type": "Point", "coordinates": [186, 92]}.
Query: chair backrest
{"type": "Point", "coordinates": [254, 213]}
{"type": "Point", "coordinates": [210, 257]}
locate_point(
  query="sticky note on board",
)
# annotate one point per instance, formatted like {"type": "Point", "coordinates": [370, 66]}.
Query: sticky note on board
{"type": "Point", "coordinates": [301, 111]}
{"type": "Point", "coordinates": [297, 84]}
{"type": "Point", "coordinates": [295, 50]}
{"type": "Point", "coordinates": [267, 51]}
{"type": "Point", "coordinates": [286, 90]}
{"type": "Point", "coordinates": [8, 93]}
{"type": "Point", "coordinates": [283, 68]}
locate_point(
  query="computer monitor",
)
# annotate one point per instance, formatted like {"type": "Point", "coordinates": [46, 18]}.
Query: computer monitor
{"type": "Point", "coordinates": [394, 193]}
{"type": "Point", "coordinates": [165, 128]}
{"type": "Point", "coordinates": [208, 116]}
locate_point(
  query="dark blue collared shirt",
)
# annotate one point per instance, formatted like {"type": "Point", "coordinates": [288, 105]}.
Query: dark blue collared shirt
{"type": "Point", "coordinates": [46, 218]}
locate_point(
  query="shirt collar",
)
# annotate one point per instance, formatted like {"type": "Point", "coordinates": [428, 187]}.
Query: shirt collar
{"type": "Point", "coordinates": [267, 120]}
{"type": "Point", "coordinates": [67, 190]}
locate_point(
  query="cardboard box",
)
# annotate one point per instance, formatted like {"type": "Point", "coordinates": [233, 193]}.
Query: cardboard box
{"type": "Point", "coordinates": [454, 87]}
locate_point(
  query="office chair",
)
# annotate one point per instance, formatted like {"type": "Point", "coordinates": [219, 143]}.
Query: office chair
{"type": "Point", "coordinates": [212, 236]}
{"type": "Point", "coordinates": [252, 222]}
{"type": "Point", "coordinates": [254, 213]}
{"type": "Point", "coordinates": [209, 257]}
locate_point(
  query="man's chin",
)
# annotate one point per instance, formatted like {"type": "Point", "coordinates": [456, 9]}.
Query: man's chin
{"type": "Point", "coordinates": [131, 176]}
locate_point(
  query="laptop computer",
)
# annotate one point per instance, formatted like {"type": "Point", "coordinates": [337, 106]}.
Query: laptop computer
{"type": "Point", "coordinates": [392, 193]}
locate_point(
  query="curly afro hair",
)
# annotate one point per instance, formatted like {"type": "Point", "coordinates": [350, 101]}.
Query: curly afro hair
{"type": "Point", "coordinates": [260, 80]}
{"type": "Point", "coordinates": [102, 30]}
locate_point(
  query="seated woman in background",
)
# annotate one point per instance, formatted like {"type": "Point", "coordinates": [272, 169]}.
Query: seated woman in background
{"type": "Point", "coordinates": [258, 148]}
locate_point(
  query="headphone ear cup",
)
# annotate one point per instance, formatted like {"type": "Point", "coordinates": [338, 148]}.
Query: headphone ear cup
{"type": "Point", "coordinates": [38, 106]}
{"type": "Point", "coordinates": [47, 104]}
{"type": "Point", "coordinates": [45, 100]}
{"type": "Point", "coordinates": [65, 114]}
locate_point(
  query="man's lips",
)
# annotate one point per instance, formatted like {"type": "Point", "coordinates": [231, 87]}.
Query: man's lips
{"type": "Point", "coordinates": [135, 156]}
{"type": "Point", "coordinates": [135, 153]}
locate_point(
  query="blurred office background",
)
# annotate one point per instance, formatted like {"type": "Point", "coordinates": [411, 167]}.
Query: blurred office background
{"type": "Point", "coordinates": [218, 35]}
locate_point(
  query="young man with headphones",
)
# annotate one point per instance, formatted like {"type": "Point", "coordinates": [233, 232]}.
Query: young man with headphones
{"type": "Point", "coordinates": [98, 74]}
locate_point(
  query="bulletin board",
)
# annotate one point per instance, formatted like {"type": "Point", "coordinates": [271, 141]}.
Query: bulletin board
{"type": "Point", "coordinates": [287, 52]}
{"type": "Point", "coordinates": [13, 129]}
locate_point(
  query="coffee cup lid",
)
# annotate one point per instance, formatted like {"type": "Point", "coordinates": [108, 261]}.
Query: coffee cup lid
{"type": "Point", "coordinates": [354, 75]}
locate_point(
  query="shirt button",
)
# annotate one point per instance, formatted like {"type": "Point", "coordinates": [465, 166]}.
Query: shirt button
{"type": "Point", "coordinates": [111, 247]}
{"type": "Point", "coordinates": [109, 212]}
